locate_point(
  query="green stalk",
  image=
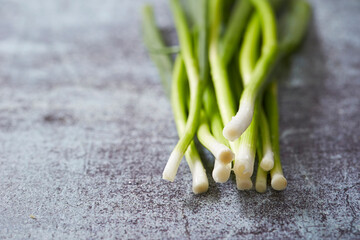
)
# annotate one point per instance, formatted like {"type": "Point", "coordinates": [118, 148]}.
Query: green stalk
{"type": "Point", "coordinates": [249, 51]}
{"type": "Point", "coordinates": [248, 57]}
{"type": "Point", "coordinates": [199, 15]}
{"type": "Point", "coordinates": [196, 87]}
{"type": "Point", "coordinates": [222, 170]}
{"type": "Point", "coordinates": [243, 118]}
{"type": "Point", "coordinates": [244, 162]}
{"type": "Point", "coordinates": [261, 174]}
{"type": "Point", "coordinates": [153, 40]}
{"type": "Point", "coordinates": [178, 102]}
{"type": "Point", "coordinates": [293, 26]}
{"type": "Point", "coordinates": [220, 78]}
{"type": "Point", "coordinates": [235, 78]}
{"type": "Point", "coordinates": [223, 155]}
{"type": "Point", "coordinates": [245, 158]}
{"type": "Point", "coordinates": [212, 112]}
{"type": "Point", "coordinates": [234, 30]}
{"type": "Point", "coordinates": [246, 154]}
{"type": "Point", "coordinates": [278, 181]}
{"type": "Point", "coordinates": [165, 50]}
{"type": "Point", "coordinates": [223, 92]}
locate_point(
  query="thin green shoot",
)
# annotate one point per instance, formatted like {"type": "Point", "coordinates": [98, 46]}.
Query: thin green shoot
{"type": "Point", "coordinates": [164, 50]}
{"type": "Point", "coordinates": [293, 26]}
{"type": "Point", "coordinates": [221, 172]}
{"type": "Point", "coordinates": [179, 106]}
{"type": "Point", "coordinates": [223, 92]}
{"type": "Point", "coordinates": [234, 30]}
{"type": "Point", "coordinates": [153, 40]}
{"type": "Point", "coordinates": [243, 118]}
{"type": "Point", "coordinates": [278, 181]}
{"type": "Point", "coordinates": [220, 78]}
{"type": "Point", "coordinates": [245, 157]}
{"type": "Point", "coordinates": [196, 91]}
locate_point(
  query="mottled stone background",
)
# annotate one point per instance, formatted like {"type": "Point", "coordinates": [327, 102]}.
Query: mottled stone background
{"type": "Point", "coordinates": [85, 131]}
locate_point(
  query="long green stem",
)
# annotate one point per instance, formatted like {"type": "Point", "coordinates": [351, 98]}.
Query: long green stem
{"type": "Point", "coordinates": [199, 16]}
{"type": "Point", "coordinates": [248, 58]}
{"type": "Point", "coordinates": [221, 171]}
{"type": "Point", "coordinates": [245, 158]}
{"type": "Point", "coordinates": [293, 26]}
{"type": "Point", "coordinates": [213, 114]}
{"type": "Point", "coordinates": [178, 102]}
{"type": "Point", "coordinates": [223, 155]}
{"type": "Point", "coordinates": [219, 73]}
{"type": "Point", "coordinates": [278, 181]}
{"type": "Point", "coordinates": [249, 53]}
{"type": "Point", "coordinates": [196, 87]}
{"type": "Point", "coordinates": [235, 79]}
{"type": "Point", "coordinates": [242, 119]}
{"type": "Point", "coordinates": [218, 69]}
{"type": "Point", "coordinates": [153, 40]}
{"type": "Point", "coordinates": [234, 30]}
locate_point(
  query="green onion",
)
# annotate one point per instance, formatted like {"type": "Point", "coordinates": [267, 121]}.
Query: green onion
{"type": "Point", "coordinates": [293, 26]}
{"type": "Point", "coordinates": [278, 181]}
{"type": "Point", "coordinates": [220, 78]}
{"type": "Point", "coordinates": [164, 50]}
{"type": "Point", "coordinates": [244, 161]}
{"type": "Point", "coordinates": [249, 53]}
{"type": "Point", "coordinates": [178, 90]}
{"type": "Point", "coordinates": [245, 158]}
{"type": "Point", "coordinates": [241, 121]}
{"type": "Point", "coordinates": [196, 87]}
{"type": "Point", "coordinates": [235, 28]}
{"type": "Point", "coordinates": [200, 181]}
{"type": "Point", "coordinates": [222, 170]}
{"type": "Point", "coordinates": [223, 92]}
{"type": "Point", "coordinates": [154, 41]}
{"type": "Point", "coordinates": [204, 108]}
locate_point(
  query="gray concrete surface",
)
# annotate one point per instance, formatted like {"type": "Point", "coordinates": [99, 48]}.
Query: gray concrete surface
{"type": "Point", "coordinates": [85, 131]}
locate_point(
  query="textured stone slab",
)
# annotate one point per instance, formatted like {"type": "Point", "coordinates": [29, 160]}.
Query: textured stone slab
{"type": "Point", "coordinates": [85, 131]}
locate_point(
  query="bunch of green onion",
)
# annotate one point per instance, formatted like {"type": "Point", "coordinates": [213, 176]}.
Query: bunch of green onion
{"type": "Point", "coordinates": [221, 84]}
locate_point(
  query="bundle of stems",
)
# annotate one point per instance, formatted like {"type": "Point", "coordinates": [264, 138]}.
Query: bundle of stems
{"type": "Point", "coordinates": [221, 84]}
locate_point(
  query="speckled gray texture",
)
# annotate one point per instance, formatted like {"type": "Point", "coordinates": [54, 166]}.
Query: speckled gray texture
{"type": "Point", "coordinates": [85, 131]}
